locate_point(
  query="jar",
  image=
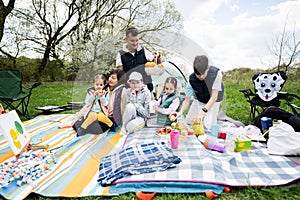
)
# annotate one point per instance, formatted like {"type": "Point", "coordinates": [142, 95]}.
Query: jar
{"type": "Point", "coordinates": [230, 142]}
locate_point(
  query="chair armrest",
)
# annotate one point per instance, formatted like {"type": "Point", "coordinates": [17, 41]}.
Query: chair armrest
{"type": "Point", "coordinates": [36, 85]}
{"type": "Point", "coordinates": [247, 93]}
{"type": "Point", "coordinates": [31, 87]}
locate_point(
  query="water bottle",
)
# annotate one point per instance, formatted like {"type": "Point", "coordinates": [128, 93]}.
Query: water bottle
{"type": "Point", "coordinates": [212, 143]}
{"type": "Point", "coordinates": [230, 142]}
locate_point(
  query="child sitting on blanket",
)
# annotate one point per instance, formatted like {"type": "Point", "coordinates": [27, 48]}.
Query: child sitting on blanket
{"type": "Point", "coordinates": [168, 102]}
{"type": "Point", "coordinates": [138, 98]}
{"type": "Point", "coordinates": [95, 110]}
{"type": "Point", "coordinates": [99, 99]}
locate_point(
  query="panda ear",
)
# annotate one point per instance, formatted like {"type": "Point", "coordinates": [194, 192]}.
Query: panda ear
{"type": "Point", "coordinates": [283, 75]}
{"type": "Point", "coordinates": [255, 76]}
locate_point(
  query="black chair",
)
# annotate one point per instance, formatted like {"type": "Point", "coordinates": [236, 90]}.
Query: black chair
{"type": "Point", "coordinates": [267, 93]}
{"type": "Point", "coordinates": [292, 101]}
{"type": "Point", "coordinates": [12, 94]}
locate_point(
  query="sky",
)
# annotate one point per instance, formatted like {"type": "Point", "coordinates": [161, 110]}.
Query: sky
{"type": "Point", "coordinates": [238, 33]}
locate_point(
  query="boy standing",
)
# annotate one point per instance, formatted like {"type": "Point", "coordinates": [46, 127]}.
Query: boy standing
{"type": "Point", "coordinates": [206, 85]}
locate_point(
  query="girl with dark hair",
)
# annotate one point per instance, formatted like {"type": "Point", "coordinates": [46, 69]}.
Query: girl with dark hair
{"type": "Point", "coordinates": [117, 92]}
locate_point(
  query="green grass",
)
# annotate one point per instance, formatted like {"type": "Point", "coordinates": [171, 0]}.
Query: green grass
{"type": "Point", "coordinates": [56, 94]}
{"type": "Point", "coordinates": [234, 105]}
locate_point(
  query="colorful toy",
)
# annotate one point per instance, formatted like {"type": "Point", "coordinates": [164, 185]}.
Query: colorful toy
{"type": "Point", "coordinates": [14, 132]}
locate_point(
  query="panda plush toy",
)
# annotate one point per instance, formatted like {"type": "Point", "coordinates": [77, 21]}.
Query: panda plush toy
{"type": "Point", "coordinates": [267, 85]}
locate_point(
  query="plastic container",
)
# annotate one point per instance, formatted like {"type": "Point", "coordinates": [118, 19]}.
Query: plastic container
{"type": "Point", "coordinates": [214, 130]}
{"type": "Point", "coordinates": [174, 137]}
{"type": "Point", "coordinates": [266, 123]}
{"type": "Point", "coordinates": [230, 142]}
{"type": "Point", "coordinates": [212, 143]}
{"type": "Point", "coordinates": [197, 126]}
{"type": "Point", "coordinates": [222, 134]}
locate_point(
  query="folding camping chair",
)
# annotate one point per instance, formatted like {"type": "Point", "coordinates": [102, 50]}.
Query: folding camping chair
{"type": "Point", "coordinates": [11, 93]}
{"type": "Point", "coordinates": [267, 93]}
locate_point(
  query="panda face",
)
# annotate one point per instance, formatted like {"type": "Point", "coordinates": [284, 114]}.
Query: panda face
{"type": "Point", "coordinates": [268, 85]}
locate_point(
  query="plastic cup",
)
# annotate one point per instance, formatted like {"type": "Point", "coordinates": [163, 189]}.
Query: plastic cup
{"type": "Point", "coordinates": [215, 130]}
{"type": "Point", "coordinates": [266, 123]}
{"type": "Point", "coordinates": [174, 136]}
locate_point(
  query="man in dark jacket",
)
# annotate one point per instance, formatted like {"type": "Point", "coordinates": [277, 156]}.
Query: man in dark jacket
{"type": "Point", "coordinates": [133, 57]}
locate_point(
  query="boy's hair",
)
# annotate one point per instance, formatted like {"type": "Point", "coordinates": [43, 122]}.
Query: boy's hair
{"type": "Point", "coordinates": [100, 76]}
{"type": "Point", "coordinates": [132, 30]}
{"type": "Point", "coordinates": [171, 80]}
{"type": "Point", "coordinates": [200, 64]}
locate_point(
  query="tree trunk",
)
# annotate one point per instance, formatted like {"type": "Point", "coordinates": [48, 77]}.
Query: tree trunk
{"type": "Point", "coordinates": [43, 63]}
{"type": "Point", "coordinates": [4, 11]}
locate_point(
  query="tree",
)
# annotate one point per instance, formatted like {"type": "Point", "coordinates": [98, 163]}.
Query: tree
{"type": "Point", "coordinates": [4, 12]}
{"type": "Point", "coordinates": [85, 32]}
{"type": "Point", "coordinates": [286, 49]}
{"type": "Point", "coordinates": [97, 54]}
{"type": "Point", "coordinates": [52, 21]}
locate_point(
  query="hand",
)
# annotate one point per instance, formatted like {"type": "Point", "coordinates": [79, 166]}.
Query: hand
{"type": "Point", "coordinates": [155, 107]}
{"type": "Point", "coordinates": [156, 54]}
{"type": "Point", "coordinates": [176, 114]}
{"type": "Point", "coordinates": [201, 114]}
{"type": "Point", "coordinates": [99, 92]}
{"type": "Point", "coordinates": [133, 92]}
{"type": "Point", "coordinates": [173, 117]}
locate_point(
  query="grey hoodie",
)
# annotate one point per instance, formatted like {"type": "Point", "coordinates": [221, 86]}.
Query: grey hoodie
{"type": "Point", "coordinates": [141, 101]}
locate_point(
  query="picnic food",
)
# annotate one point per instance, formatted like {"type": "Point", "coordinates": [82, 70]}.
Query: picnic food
{"type": "Point", "coordinates": [190, 132]}
{"type": "Point", "coordinates": [100, 92]}
{"type": "Point", "coordinates": [163, 131]}
{"type": "Point", "coordinates": [149, 64]}
{"type": "Point", "coordinates": [160, 66]}
{"type": "Point", "coordinates": [173, 117]}
{"type": "Point", "coordinates": [152, 68]}
{"type": "Point", "coordinates": [181, 127]}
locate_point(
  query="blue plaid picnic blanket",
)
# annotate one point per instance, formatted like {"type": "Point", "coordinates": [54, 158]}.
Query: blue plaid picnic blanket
{"type": "Point", "coordinates": [255, 167]}
{"type": "Point", "coordinates": [138, 159]}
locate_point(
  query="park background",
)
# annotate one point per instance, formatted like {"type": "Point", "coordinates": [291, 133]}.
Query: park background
{"type": "Point", "coordinates": [52, 41]}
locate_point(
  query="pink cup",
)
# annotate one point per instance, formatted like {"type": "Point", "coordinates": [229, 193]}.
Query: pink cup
{"type": "Point", "coordinates": [174, 136]}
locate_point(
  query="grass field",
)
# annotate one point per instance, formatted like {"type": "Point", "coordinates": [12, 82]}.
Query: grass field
{"type": "Point", "coordinates": [234, 105]}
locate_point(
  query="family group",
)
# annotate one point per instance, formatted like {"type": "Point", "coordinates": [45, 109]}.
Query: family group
{"type": "Point", "coordinates": [123, 99]}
